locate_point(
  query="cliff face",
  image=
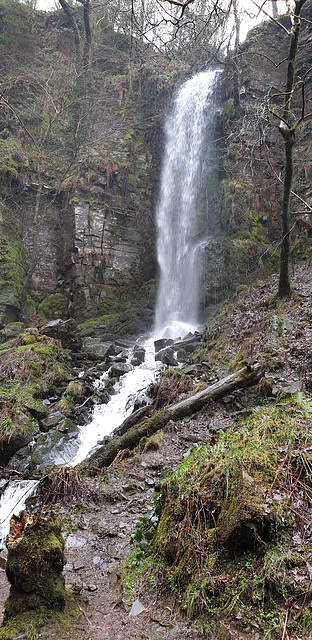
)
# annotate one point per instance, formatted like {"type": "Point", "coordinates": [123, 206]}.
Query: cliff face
{"type": "Point", "coordinates": [80, 159]}
{"type": "Point", "coordinates": [80, 143]}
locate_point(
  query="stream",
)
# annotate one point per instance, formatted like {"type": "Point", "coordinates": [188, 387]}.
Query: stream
{"type": "Point", "coordinates": [182, 223]}
{"type": "Point", "coordinates": [106, 418]}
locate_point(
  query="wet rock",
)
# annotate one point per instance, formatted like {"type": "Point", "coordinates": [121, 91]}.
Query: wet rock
{"type": "Point", "coordinates": [53, 419]}
{"type": "Point", "coordinates": [189, 343]}
{"type": "Point", "coordinates": [21, 459]}
{"type": "Point", "coordinates": [58, 446]}
{"type": "Point", "coordinates": [121, 357]}
{"type": "Point", "coordinates": [3, 484]}
{"type": "Point", "coordinates": [101, 397]}
{"type": "Point", "coordinates": [162, 342]}
{"type": "Point", "coordinates": [166, 356]}
{"type": "Point", "coordinates": [66, 331]}
{"type": "Point", "coordinates": [119, 369]}
{"type": "Point", "coordinates": [138, 356]}
{"type": "Point", "coordinates": [95, 347]}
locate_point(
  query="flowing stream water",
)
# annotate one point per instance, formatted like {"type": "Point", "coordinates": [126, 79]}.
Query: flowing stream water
{"type": "Point", "coordinates": [180, 246]}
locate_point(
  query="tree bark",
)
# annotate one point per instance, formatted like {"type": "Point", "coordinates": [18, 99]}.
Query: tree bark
{"type": "Point", "coordinates": [288, 133]}
{"type": "Point", "coordinates": [105, 455]}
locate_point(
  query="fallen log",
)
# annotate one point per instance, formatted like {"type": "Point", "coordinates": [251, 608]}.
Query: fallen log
{"type": "Point", "coordinates": [103, 456]}
{"type": "Point", "coordinates": [243, 378]}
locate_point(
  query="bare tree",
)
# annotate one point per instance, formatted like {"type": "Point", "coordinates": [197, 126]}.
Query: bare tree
{"type": "Point", "coordinates": [288, 127]}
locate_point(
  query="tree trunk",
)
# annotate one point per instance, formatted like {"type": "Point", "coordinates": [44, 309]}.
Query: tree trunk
{"type": "Point", "coordinates": [284, 289]}
{"type": "Point", "coordinates": [105, 455]}
{"type": "Point", "coordinates": [288, 133]}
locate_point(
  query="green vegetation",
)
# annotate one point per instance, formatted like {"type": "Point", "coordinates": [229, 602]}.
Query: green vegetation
{"type": "Point", "coordinates": [29, 367]}
{"type": "Point", "coordinates": [54, 306]}
{"type": "Point", "coordinates": [228, 542]}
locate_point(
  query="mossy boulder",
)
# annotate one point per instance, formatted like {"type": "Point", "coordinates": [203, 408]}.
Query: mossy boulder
{"type": "Point", "coordinates": [16, 432]}
{"type": "Point", "coordinates": [11, 330]}
{"type": "Point", "coordinates": [34, 565]}
{"type": "Point", "coordinates": [54, 306]}
{"type": "Point", "coordinates": [29, 372]}
{"type": "Point", "coordinates": [226, 538]}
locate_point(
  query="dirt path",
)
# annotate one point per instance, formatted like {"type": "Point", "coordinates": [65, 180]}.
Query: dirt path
{"type": "Point", "coordinates": [95, 550]}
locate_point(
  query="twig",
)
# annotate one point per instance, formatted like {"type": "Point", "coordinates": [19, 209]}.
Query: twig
{"type": "Point", "coordinates": [86, 617]}
{"type": "Point", "coordinates": [300, 516]}
{"type": "Point", "coordinates": [285, 635]}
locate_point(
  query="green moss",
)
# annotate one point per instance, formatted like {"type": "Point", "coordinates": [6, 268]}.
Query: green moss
{"type": "Point", "coordinates": [224, 515]}
{"type": "Point", "coordinates": [29, 372]}
{"type": "Point", "coordinates": [54, 306]}
{"type": "Point", "coordinates": [71, 395]}
{"type": "Point", "coordinates": [12, 271]}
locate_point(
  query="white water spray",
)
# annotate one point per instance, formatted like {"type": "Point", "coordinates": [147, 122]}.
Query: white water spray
{"type": "Point", "coordinates": [180, 244]}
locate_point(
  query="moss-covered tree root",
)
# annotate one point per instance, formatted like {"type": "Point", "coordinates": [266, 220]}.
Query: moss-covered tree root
{"type": "Point", "coordinates": [34, 565]}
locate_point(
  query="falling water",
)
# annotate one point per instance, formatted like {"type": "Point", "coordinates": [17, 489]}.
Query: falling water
{"type": "Point", "coordinates": [180, 236]}
{"type": "Point", "coordinates": [181, 240]}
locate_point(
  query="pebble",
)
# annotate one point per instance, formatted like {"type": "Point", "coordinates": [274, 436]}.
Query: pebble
{"type": "Point", "coordinates": [136, 608]}
{"type": "Point", "coordinates": [150, 482]}
{"type": "Point", "coordinates": [92, 587]}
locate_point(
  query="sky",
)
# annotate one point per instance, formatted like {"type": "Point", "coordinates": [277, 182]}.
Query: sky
{"type": "Point", "coordinates": [247, 23]}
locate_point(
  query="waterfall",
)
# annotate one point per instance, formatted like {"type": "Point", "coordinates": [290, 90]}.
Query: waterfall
{"type": "Point", "coordinates": [182, 234]}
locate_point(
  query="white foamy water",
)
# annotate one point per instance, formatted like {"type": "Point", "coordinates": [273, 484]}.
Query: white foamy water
{"type": "Point", "coordinates": [13, 501]}
{"type": "Point", "coordinates": [107, 417]}
{"type": "Point", "coordinates": [180, 243]}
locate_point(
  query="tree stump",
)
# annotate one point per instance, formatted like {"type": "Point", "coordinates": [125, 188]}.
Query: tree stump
{"type": "Point", "coordinates": [34, 565]}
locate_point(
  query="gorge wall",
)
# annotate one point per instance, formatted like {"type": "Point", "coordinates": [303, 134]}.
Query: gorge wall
{"type": "Point", "coordinates": [80, 150]}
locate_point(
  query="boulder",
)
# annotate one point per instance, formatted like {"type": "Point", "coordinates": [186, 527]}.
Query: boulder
{"type": "Point", "coordinates": [162, 342]}
{"type": "Point", "coordinates": [10, 331]}
{"type": "Point", "coordinates": [53, 419]}
{"type": "Point", "coordinates": [57, 447]}
{"type": "Point", "coordinates": [96, 348]}
{"type": "Point", "coordinates": [66, 331]}
{"type": "Point", "coordinates": [118, 369]}
{"type": "Point", "coordinates": [166, 356]}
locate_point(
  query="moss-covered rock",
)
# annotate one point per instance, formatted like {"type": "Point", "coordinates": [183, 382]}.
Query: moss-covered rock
{"type": "Point", "coordinates": [34, 565]}
{"type": "Point", "coordinates": [53, 306]}
{"type": "Point", "coordinates": [28, 372]}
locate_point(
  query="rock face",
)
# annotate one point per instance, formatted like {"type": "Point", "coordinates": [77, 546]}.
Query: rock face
{"type": "Point", "coordinates": [77, 229]}
{"type": "Point", "coordinates": [34, 565]}
{"type": "Point", "coordinates": [78, 232]}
